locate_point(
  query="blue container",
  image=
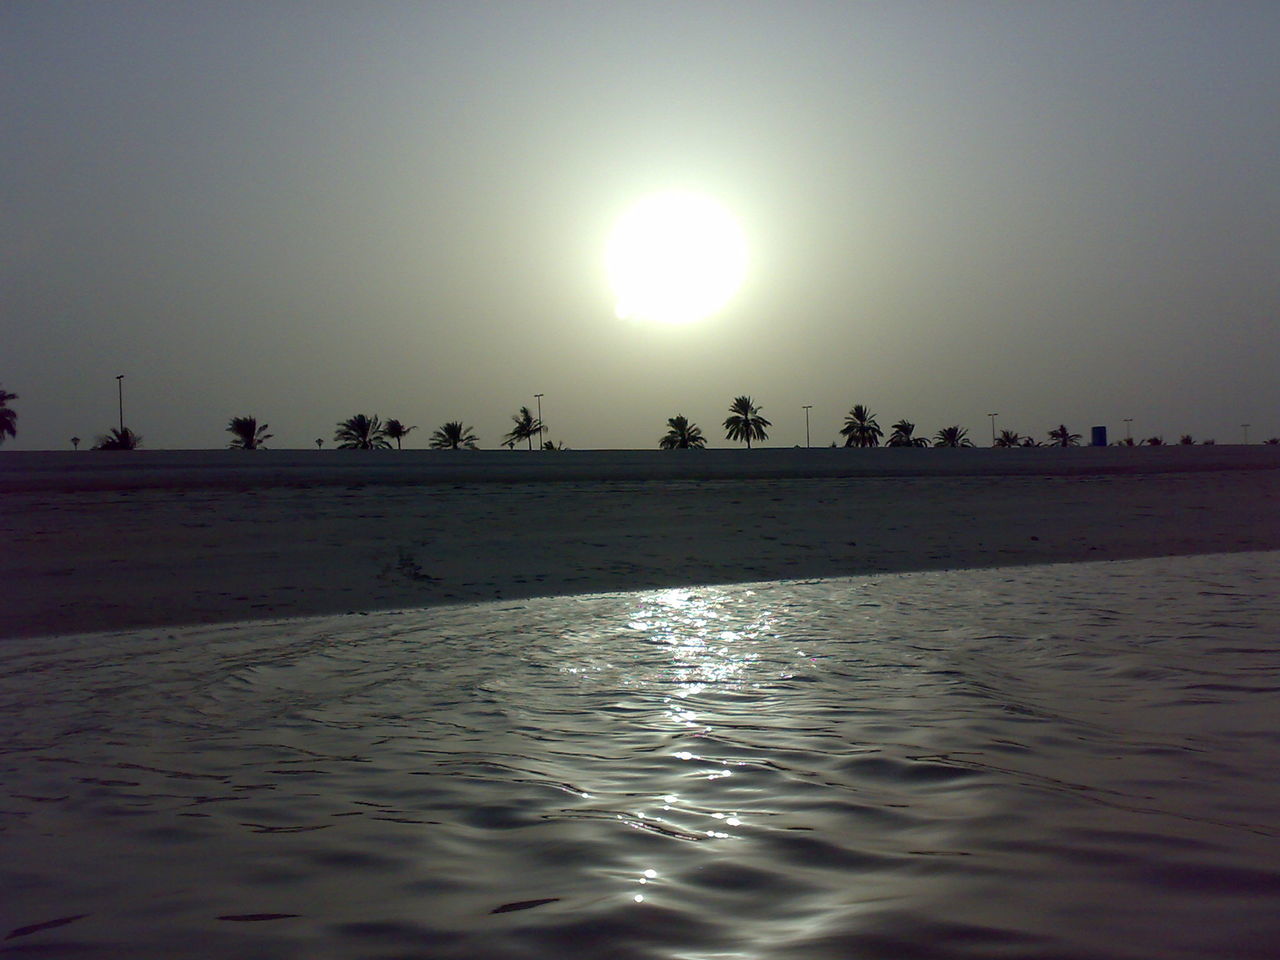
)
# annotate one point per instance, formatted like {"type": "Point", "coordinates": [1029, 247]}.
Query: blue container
{"type": "Point", "coordinates": [1099, 437]}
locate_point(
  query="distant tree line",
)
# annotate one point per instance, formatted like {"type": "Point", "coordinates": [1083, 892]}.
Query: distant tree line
{"type": "Point", "coordinates": [745, 424]}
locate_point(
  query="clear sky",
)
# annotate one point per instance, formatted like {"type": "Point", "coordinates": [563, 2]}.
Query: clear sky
{"type": "Point", "coordinates": [1056, 211]}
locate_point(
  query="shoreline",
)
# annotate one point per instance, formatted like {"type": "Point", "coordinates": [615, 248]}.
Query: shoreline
{"type": "Point", "coordinates": [173, 542]}
{"type": "Point", "coordinates": [64, 470]}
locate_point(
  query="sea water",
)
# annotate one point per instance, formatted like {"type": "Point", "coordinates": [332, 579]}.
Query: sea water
{"type": "Point", "coordinates": [1060, 761]}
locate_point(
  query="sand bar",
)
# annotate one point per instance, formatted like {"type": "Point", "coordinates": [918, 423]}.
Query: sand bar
{"type": "Point", "coordinates": [154, 538]}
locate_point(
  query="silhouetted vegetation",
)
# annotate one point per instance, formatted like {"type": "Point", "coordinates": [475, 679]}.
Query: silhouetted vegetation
{"type": "Point", "coordinates": [75, 443]}
{"type": "Point", "coordinates": [1062, 437]}
{"type": "Point", "coordinates": [8, 416]}
{"type": "Point", "coordinates": [1008, 438]}
{"type": "Point", "coordinates": [453, 436]}
{"type": "Point", "coordinates": [1186, 440]}
{"type": "Point", "coordinates": [682, 435]}
{"type": "Point", "coordinates": [397, 431]}
{"type": "Point", "coordinates": [953, 436]}
{"type": "Point", "coordinates": [903, 435]}
{"type": "Point", "coordinates": [1154, 441]}
{"type": "Point", "coordinates": [1272, 442]}
{"type": "Point", "coordinates": [361, 432]}
{"type": "Point", "coordinates": [860, 428]}
{"type": "Point", "coordinates": [745, 422]}
{"type": "Point", "coordinates": [527, 426]}
{"type": "Point", "coordinates": [117, 439]}
{"type": "Point", "coordinates": [247, 434]}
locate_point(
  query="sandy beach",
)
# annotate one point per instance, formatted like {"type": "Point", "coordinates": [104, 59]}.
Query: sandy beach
{"type": "Point", "coordinates": [167, 538]}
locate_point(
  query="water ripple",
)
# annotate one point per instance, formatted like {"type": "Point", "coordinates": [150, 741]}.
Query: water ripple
{"type": "Point", "coordinates": [1062, 761]}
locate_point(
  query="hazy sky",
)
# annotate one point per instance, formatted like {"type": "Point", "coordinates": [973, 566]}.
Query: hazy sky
{"type": "Point", "coordinates": [1060, 212]}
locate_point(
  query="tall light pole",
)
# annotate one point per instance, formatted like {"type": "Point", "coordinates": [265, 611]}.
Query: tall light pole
{"type": "Point", "coordinates": [1245, 428]}
{"type": "Point", "coordinates": [541, 429]}
{"type": "Point", "coordinates": [807, 408]}
{"type": "Point", "coordinates": [993, 427]}
{"type": "Point", "coordinates": [1128, 428]}
{"type": "Point", "coordinates": [120, 397]}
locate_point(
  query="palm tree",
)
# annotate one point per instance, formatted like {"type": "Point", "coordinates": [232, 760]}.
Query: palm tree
{"type": "Point", "coordinates": [904, 436]}
{"type": "Point", "coordinates": [860, 428]}
{"type": "Point", "coordinates": [745, 422]}
{"type": "Point", "coordinates": [397, 430]}
{"type": "Point", "coordinates": [1185, 440]}
{"type": "Point", "coordinates": [682, 435]}
{"type": "Point", "coordinates": [527, 426]}
{"type": "Point", "coordinates": [75, 443]}
{"type": "Point", "coordinates": [124, 439]}
{"type": "Point", "coordinates": [361, 432]}
{"type": "Point", "coordinates": [954, 436]}
{"type": "Point", "coordinates": [1154, 441]}
{"type": "Point", "coordinates": [453, 436]}
{"type": "Point", "coordinates": [319, 442]}
{"type": "Point", "coordinates": [248, 435]}
{"type": "Point", "coordinates": [8, 418]}
{"type": "Point", "coordinates": [1062, 437]}
{"type": "Point", "coordinates": [1008, 438]}
{"type": "Point", "coordinates": [1030, 442]}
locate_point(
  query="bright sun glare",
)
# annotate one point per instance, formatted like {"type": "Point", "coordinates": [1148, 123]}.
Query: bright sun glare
{"type": "Point", "coordinates": [675, 257]}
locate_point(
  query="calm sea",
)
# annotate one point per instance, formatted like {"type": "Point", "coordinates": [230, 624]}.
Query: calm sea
{"type": "Point", "coordinates": [1043, 762]}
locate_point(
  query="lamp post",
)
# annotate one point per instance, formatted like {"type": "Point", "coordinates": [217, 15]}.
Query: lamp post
{"type": "Point", "coordinates": [120, 397]}
{"type": "Point", "coordinates": [541, 430]}
{"type": "Point", "coordinates": [993, 427]}
{"type": "Point", "coordinates": [807, 408]}
{"type": "Point", "coordinates": [1128, 428]}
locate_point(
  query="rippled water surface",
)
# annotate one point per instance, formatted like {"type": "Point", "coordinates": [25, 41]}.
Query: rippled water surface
{"type": "Point", "coordinates": [1051, 762]}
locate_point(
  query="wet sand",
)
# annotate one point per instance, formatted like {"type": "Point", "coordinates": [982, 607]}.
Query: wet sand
{"type": "Point", "coordinates": [158, 538]}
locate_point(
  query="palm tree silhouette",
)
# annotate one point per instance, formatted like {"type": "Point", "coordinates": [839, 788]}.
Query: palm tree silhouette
{"type": "Point", "coordinates": [361, 432]}
{"type": "Point", "coordinates": [745, 422]}
{"type": "Point", "coordinates": [319, 442]}
{"type": "Point", "coordinates": [453, 436]}
{"type": "Point", "coordinates": [118, 439]}
{"type": "Point", "coordinates": [860, 428]}
{"type": "Point", "coordinates": [1154, 441]}
{"type": "Point", "coordinates": [1008, 438]}
{"type": "Point", "coordinates": [904, 436]}
{"type": "Point", "coordinates": [953, 436]}
{"type": "Point", "coordinates": [8, 418]}
{"type": "Point", "coordinates": [75, 443]}
{"type": "Point", "coordinates": [1186, 441]}
{"type": "Point", "coordinates": [248, 435]}
{"type": "Point", "coordinates": [682, 435]}
{"type": "Point", "coordinates": [1062, 437]}
{"type": "Point", "coordinates": [397, 430]}
{"type": "Point", "coordinates": [527, 426]}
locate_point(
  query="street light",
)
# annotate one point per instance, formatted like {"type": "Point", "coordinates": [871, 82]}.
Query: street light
{"type": "Point", "coordinates": [120, 397]}
{"type": "Point", "coordinates": [541, 430]}
{"type": "Point", "coordinates": [993, 427]}
{"type": "Point", "coordinates": [1128, 428]}
{"type": "Point", "coordinates": [807, 408]}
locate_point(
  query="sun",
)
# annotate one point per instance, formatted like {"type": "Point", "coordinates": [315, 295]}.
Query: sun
{"type": "Point", "coordinates": [675, 257]}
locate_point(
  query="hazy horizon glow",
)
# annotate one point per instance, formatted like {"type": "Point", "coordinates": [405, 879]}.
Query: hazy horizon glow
{"type": "Point", "coordinates": [1066, 212]}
